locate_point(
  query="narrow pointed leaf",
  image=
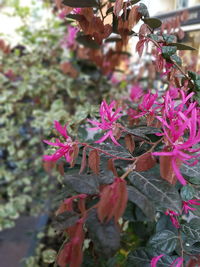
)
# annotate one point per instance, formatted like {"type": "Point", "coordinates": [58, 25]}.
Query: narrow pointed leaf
{"type": "Point", "coordinates": [78, 3]}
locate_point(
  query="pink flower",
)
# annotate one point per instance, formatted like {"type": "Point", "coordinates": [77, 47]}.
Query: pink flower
{"type": "Point", "coordinates": [155, 260]}
{"type": "Point", "coordinates": [176, 263]}
{"type": "Point", "coordinates": [178, 120]}
{"type": "Point", "coordinates": [77, 10]}
{"type": "Point", "coordinates": [173, 217]}
{"type": "Point", "coordinates": [63, 14]}
{"type": "Point", "coordinates": [65, 149]}
{"type": "Point", "coordinates": [114, 80]}
{"type": "Point", "coordinates": [108, 122]}
{"type": "Point", "coordinates": [136, 92]}
{"type": "Point", "coordinates": [186, 205]}
{"type": "Point", "coordinates": [168, 69]}
{"type": "Point", "coordinates": [146, 107]}
{"type": "Point", "coordinates": [69, 39]}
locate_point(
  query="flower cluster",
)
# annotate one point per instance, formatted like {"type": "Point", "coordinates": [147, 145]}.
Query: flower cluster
{"type": "Point", "coordinates": [108, 122]}
{"type": "Point", "coordinates": [65, 149]}
{"type": "Point", "coordinates": [177, 121]}
{"type": "Point", "coordinates": [147, 106]}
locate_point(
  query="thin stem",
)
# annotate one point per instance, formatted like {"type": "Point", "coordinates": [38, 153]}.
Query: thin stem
{"type": "Point", "coordinates": [100, 9]}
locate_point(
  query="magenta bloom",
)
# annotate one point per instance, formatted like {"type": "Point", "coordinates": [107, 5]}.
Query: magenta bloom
{"type": "Point", "coordinates": [178, 120]}
{"type": "Point", "coordinates": [114, 80]}
{"type": "Point", "coordinates": [186, 205]}
{"type": "Point", "coordinates": [136, 92]}
{"type": "Point", "coordinates": [108, 122]}
{"type": "Point", "coordinates": [168, 69]}
{"type": "Point", "coordinates": [63, 14]}
{"type": "Point", "coordinates": [176, 263]}
{"type": "Point", "coordinates": [155, 260]}
{"type": "Point", "coordinates": [173, 217]}
{"type": "Point", "coordinates": [69, 40]}
{"type": "Point", "coordinates": [147, 105]}
{"type": "Point", "coordinates": [65, 149]}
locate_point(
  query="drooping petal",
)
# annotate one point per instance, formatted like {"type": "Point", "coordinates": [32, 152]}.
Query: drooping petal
{"type": "Point", "coordinates": [60, 129]}
{"type": "Point", "coordinates": [155, 260]}
{"type": "Point", "coordinates": [177, 172]}
{"type": "Point", "coordinates": [50, 143]}
{"type": "Point", "coordinates": [103, 138]}
{"type": "Point", "coordinates": [177, 262]}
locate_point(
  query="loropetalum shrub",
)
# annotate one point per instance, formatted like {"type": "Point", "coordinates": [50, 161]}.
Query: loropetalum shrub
{"type": "Point", "coordinates": [131, 196]}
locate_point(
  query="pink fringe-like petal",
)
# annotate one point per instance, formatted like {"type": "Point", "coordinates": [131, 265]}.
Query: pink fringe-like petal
{"type": "Point", "coordinates": [155, 260]}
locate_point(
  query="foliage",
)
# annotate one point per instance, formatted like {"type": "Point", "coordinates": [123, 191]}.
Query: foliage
{"type": "Point", "coordinates": [129, 186]}
{"type": "Point", "coordinates": [128, 180]}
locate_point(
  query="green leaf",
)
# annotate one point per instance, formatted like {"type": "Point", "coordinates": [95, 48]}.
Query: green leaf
{"type": "Point", "coordinates": [105, 177]}
{"type": "Point", "coordinates": [75, 16]}
{"type": "Point", "coordinates": [65, 220]}
{"type": "Point", "coordinates": [114, 39]}
{"type": "Point", "coordinates": [153, 22]}
{"type": "Point", "coordinates": [165, 241]}
{"type": "Point", "coordinates": [141, 257]}
{"type": "Point", "coordinates": [168, 38]}
{"type": "Point", "coordinates": [142, 131]}
{"type": "Point", "coordinates": [168, 51]}
{"type": "Point", "coordinates": [164, 195]}
{"type": "Point", "coordinates": [187, 192]}
{"type": "Point", "coordinates": [192, 229]}
{"type": "Point", "coordinates": [177, 59]}
{"type": "Point", "coordinates": [182, 46]}
{"type": "Point", "coordinates": [165, 223]}
{"type": "Point", "coordinates": [118, 151]}
{"type": "Point", "coordinates": [105, 236]}
{"type": "Point", "coordinates": [197, 97]}
{"type": "Point", "coordinates": [143, 10]}
{"type": "Point", "coordinates": [195, 76]}
{"type": "Point", "coordinates": [141, 201]}
{"type": "Point", "coordinates": [83, 184]}
{"type": "Point", "coordinates": [82, 3]}
{"type": "Point", "coordinates": [87, 41]}
{"type": "Point", "coordinates": [109, 10]}
{"type": "Point", "coordinates": [191, 173]}
{"type": "Point", "coordinates": [154, 37]}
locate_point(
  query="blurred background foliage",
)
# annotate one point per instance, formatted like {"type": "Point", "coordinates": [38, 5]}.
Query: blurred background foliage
{"type": "Point", "coordinates": [34, 92]}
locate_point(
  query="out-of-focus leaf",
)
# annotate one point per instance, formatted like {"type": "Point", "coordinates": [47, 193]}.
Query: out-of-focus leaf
{"type": "Point", "coordinates": [83, 184]}
{"type": "Point", "coordinates": [78, 3]}
{"type": "Point", "coordinates": [87, 41]}
{"type": "Point", "coordinates": [65, 220]}
{"type": "Point", "coordinates": [182, 46]}
{"type": "Point", "coordinates": [168, 51]}
{"type": "Point", "coordinates": [105, 236]}
{"type": "Point", "coordinates": [153, 22]}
